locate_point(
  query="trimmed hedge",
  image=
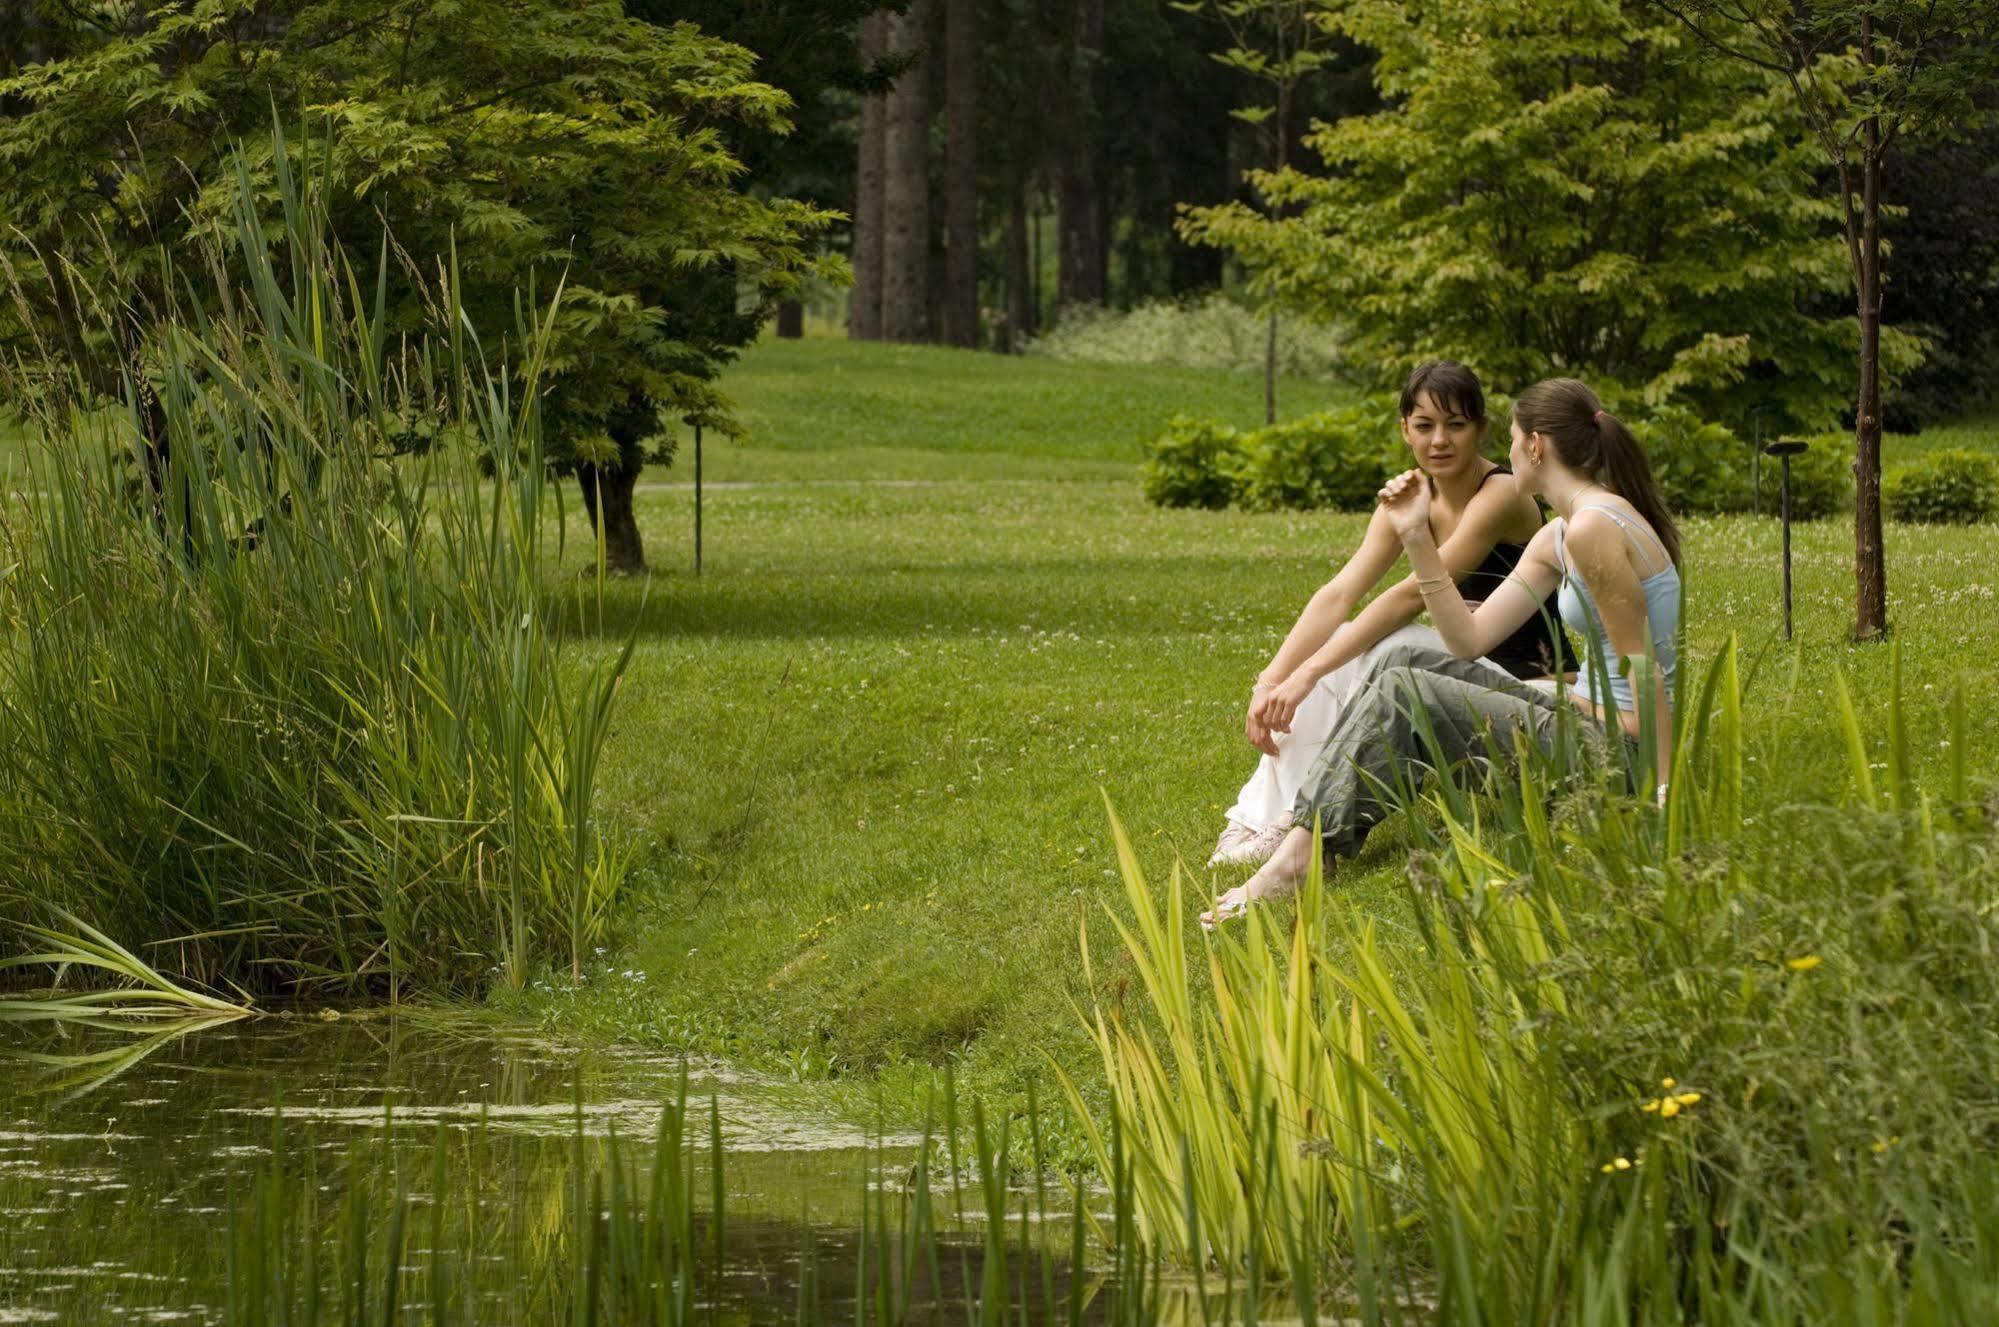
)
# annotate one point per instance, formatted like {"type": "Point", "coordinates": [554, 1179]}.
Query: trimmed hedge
{"type": "Point", "coordinates": [1955, 487]}
{"type": "Point", "coordinates": [1338, 458]}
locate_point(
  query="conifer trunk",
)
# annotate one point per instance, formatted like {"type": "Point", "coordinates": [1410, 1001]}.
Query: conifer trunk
{"type": "Point", "coordinates": [864, 310]}
{"type": "Point", "coordinates": [1082, 278]}
{"type": "Point", "coordinates": [1019, 271]}
{"type": "Point", "coordinates": [961, 206]}
{"type": "Point", "coordinates": [906, 187]}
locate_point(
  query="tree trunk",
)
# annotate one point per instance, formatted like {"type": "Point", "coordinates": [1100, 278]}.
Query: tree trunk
{"type": "Point", "coordinates": [864, 310]}
{"type": "Point", "coordinates": [607, 497]}
{"type": "Point", "coordinates": [961, 204]}
{"type": "Point", "coordinates": [906, 188]}
{"type": "Point", "coordinates": [1270, 371]}
{"type": "Point", "coordinates": [1019, 324]}
{"type": "Point", "coordinates": [1080, 203]}
{"type": "Point", "coordinates": [607, 489]}
{"type": "Point", "coordinates": [791, 320]}
{"type": "Point", "coordinates": [1869, 560]}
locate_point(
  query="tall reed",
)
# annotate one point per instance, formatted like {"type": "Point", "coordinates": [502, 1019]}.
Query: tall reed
{"type": "Point", "coordinates": [645, 1240]}
{"type": "Point", "coordinates": [284, 704]}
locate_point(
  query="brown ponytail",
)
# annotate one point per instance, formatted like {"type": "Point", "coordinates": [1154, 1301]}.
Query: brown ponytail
{"type": "Point", "coordinates": [1591, 440]}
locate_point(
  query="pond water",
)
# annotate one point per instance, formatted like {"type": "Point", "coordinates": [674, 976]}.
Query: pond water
{"type": "Point", "coordinates": [127, 1159]}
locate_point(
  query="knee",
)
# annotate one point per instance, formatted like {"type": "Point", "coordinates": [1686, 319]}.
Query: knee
{"type": "Point", "coordinates": [1400, 685]}
{"type": "Point", "coordinates": [1397, 652]}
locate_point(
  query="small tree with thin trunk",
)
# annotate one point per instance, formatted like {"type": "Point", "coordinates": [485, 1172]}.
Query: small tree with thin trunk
{"type": "Point", "coordinates": [1276, 44]}
{"type": "Point", "coordinates": [1866, 73]}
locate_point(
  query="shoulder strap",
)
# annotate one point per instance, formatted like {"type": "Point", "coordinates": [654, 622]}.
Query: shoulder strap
{"type": "Point", "coordinates": [1625, 524]}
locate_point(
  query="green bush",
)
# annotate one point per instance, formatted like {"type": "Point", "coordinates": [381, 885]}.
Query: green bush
{"type": "Point", "coordinates": [1336, 458]}
{"type": "Point", "coordinates": [1195, 463]}
{"type": "Point", "coordinates": [1944, 488]}
{"type": "Point", "coordinates": [1701, 467]}
{"type": "Point", "coordinates": [1821, 479]}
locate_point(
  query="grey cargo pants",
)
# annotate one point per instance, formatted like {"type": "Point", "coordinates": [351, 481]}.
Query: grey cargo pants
{"type": "Point", "coordinates": [1378, 741]}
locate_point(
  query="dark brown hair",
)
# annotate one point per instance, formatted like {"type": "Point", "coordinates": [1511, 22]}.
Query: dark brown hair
{"type": "Point", "coordinates": [1591, 440]}
{"type": "Point", "coordinates": [1450, 384]}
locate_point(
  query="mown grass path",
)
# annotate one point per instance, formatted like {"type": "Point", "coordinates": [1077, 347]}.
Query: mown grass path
{"type": "Point", "coordinates": [868, 744]}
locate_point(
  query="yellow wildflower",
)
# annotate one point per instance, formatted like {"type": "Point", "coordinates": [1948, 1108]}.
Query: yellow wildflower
{"type": "Point", "coordinates": [1667, 1083]}
{"type": "Point", "coordinates": [1621, 1163]}
{"type": "Point", "coordinates": [1667, 1107]}
{"type": "Point", "coordinates": [1803, 964]}
{"type": "Point", "coordinates": [1881, 1145]}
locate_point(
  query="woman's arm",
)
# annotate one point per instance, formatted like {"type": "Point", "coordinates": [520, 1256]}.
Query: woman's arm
{"type": "Point", "coordinates": [1329, 606]}
{"type": "Point", "coordinates": [1485, 521]}
{"type": "Point", "coordinates": [1469, 634]}
{"type": "Point", "coordinates": [1334, 601]}
{"type": "Point", "coordinates": [1597, 551]}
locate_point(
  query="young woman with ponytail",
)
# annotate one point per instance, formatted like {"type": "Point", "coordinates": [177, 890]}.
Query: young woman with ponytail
{"type": "Point", "coordinates": [1481, 527]}
{"type": "Point", "coordinates": [1612, 558]}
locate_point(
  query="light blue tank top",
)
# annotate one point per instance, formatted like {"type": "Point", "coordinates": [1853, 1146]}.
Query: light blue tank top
{"type": "Point", "coordinates": [1662, 614]}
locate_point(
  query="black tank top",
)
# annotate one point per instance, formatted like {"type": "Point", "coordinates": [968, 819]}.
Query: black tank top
{"type": "Point", "coordinates": [1539, 648]}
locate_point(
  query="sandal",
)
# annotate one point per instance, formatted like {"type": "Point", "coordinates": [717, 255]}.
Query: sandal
{"type": "Point", "coordinates": [1227, 908]}
{"type": "Point", "coordinates": [1242, 845]}
{"type": "Point", "coordinates": [1232, 840]}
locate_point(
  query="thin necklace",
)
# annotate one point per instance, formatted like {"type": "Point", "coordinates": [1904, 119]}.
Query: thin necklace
{"type": "Point", "coordinates": [1579, 492]}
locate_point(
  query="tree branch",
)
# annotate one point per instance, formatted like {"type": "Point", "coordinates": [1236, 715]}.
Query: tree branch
{"type": "Point", "coordinates": [1710, 39]}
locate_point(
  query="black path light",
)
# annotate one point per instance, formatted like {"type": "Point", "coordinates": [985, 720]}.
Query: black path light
{"type": "Point", "coordinates": [1784, 449]}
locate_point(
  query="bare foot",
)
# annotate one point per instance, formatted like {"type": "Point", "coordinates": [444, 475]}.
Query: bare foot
{"type": "Point", "coordinates": [1277, 879]}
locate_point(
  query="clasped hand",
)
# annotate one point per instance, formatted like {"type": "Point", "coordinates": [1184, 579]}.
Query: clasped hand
{"type": "Point", "coordinates": [1271, 710]}
{"type": "Point", "coordinates": [1405, 500]}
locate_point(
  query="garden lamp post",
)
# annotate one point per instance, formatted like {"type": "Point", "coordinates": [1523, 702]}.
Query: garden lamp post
{"type": "Point", "coordinates": [696, 422]}
{"type": "Point", "coordinates": [1784, 449]}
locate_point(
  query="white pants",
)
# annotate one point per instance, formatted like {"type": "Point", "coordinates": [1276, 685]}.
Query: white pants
{"type": "Point", "coordinates": [1273, 789]}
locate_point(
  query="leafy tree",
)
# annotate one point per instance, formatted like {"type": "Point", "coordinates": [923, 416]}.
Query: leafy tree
{"type": "Point", "coordinates": [1866, 73]}
{"type": "Point", "coordinates": [807, 49]}
{"type": "Point", "coordinates": [1275, 45]}
{"type": "Point", "coordinates": [1560, 188]}
{"type": "Point", "coordinates": [527, 142]}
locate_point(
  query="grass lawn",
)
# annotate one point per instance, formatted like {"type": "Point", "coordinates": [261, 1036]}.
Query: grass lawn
{"type": "Point", "coordinates": [868, 749]}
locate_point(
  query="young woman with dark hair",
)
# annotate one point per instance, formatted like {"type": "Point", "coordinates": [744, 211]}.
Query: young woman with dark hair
{"type": "Point", "coordinates": [1480, 527]}
{"type": "Point", "coordinates": [1612, 556]}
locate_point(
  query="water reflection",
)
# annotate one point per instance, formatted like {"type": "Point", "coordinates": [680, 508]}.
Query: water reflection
{"type": "Point", "coordinates": [148, 1173]}
{"type": "Point", "coordinates": [123, 1150]}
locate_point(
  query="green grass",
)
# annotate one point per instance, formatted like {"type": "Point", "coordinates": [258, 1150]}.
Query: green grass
{"type": "Point", "coordinates": [1979, 433]}
{"type": "Point", "coordinates": [869, 745]}
{"type": "Point", "coordinates": [824, 409]}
